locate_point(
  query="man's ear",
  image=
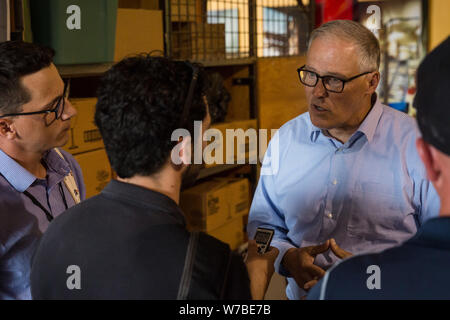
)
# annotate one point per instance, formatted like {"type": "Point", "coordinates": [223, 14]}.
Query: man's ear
{"type": "Point", "coordinates": [374, 80]}
{"type": "Point", "coordinates": [427, 158]}
{"type": "Point", "coordinates": [181, 153]}
{"type": "Point", "coordinates": [7, 129]}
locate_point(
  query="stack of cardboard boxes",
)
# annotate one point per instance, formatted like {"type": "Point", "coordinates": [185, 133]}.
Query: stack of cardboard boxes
{"type": "Point", "coordinates": [239, 147]}
{"type": "Point", "coordinates": [218, 207]}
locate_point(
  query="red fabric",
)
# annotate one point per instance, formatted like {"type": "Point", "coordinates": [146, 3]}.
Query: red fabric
{"type": "Point", "coordinates": [327, 10]}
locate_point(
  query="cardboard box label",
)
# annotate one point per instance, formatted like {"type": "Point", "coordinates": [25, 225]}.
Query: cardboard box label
{"type": "Point", "coordinates": [84, 135]}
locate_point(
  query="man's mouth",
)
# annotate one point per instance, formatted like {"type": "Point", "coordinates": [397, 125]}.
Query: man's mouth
{"type": "Point", "coordinates": [318, 108]}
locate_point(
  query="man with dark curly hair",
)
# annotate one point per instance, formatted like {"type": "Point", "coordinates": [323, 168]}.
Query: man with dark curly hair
{"type": "Point", "coordinates": [37, 181]}
{"type": "Point", "coordinates": [131, 241]}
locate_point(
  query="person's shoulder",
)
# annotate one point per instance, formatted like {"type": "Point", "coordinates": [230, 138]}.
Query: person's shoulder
{"type": "Point", "coordinates": [348, 279]}
{"type": "Point", "coordinates": [400, 129]}
{"type": "Point", "coordinates": [79, 214]}
{"type": "Point", "coordinates": [300, 122]}
{"type": "Point", "coordinates": [297, 127]}
{"type": "Point", "coordinates": [400, 120]}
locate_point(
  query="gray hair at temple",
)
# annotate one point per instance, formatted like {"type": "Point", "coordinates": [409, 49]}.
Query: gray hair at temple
{"type": "Point", "coordinates": [358, 34]}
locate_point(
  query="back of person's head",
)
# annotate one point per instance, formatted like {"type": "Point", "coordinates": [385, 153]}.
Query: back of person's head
{"type": "Point", "coordinates": [431, 101]}
{"type": "Point", "coordinates": [140, 104]}
{"type": "Point", "coordinates": [19, 59]}
{"type": "Point", "coordinates": [368, 44]}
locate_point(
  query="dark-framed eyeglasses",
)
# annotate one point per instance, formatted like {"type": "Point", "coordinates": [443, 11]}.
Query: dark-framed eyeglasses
{"type": "Point", "coordinates": [58, 110]}
{"type": "Point", "coordinates": [330, 83]}
{"type": "Point", "coordinates": [190, 96]}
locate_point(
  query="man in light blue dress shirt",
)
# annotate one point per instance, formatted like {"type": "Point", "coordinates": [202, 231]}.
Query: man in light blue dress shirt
{"type": "Point", "coordinates": [34, 119]}
{"type": "Point", "coordinates": [345, 177]}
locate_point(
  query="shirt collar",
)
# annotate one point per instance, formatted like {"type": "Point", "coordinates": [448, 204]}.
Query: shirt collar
{"type": "Point", "coordinates": [367, 127]}
{"type": "Point", "coordinates": [20, 178]}
{"type": "Point", "coordinates": [146, 197]}
{"type": "Point", "coordinates": [370, 123]}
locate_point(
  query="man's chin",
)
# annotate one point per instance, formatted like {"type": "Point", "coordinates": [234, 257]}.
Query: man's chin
{"type": "Point", "coordinates": [321, 123]}
{"type": "Point", "coordinates": [63, 140]}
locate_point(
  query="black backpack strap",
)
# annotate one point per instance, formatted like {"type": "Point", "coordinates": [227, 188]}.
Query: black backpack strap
{"type": "Point", "coordinates": [185, 283]}
{"type": "Point", "coordinates": [206, 269]}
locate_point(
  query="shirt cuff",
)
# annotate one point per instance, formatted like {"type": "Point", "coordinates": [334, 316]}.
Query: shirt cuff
{"type": "Point", "coordinates": [282, 247]}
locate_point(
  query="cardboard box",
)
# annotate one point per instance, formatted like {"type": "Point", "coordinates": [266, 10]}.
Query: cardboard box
{"type": "Point", "coordinates": [211, 204]}
{"type": "Point", "coordinates": [84, 135]}
{"type": "Point", "coordinates": [198, 41]}
{"type": "Point", "coordinates": [240, 146]}
{"type": "Point", "coordinates": [231, 233]}
{"type": "Point", "coordinates": [138, 31]}
{"type": "Point", "coordinates": [239, 197]}
{"type": "Point", "coordinates": [96, 171]}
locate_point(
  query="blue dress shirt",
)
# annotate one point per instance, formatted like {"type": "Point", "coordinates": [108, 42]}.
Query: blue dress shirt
{"type": "Point", "coordinates": [369, 194]}
{"type": "Point", "coordinates": [22, 222]}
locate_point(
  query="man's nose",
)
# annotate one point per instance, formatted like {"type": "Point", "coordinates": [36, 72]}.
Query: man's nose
{"type": "Point", "coordinates": [319, 90]}
{"type": "Point", "coordinates": [69, 111]}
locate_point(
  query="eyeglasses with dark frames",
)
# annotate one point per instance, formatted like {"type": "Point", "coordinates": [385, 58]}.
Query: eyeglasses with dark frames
{"type": "Point", "coordinates": [58, 110]}
{"type": "Point", "coordinates": [330, 83]}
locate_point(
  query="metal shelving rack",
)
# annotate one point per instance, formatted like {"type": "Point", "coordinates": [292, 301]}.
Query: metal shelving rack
{"type": "Point", "coordinates": [230, 33]}
{"type": "Point", "coordinates": [219, 35]}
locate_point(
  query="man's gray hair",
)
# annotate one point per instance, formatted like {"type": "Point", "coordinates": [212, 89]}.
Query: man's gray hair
{"type": "Point", "coordinates": [359, 35]}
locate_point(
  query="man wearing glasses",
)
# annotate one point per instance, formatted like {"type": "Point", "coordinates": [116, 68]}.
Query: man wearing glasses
{"type": "Point", "coordinates": [350, 179]}
{"type": "Point", "coordinates": [37, 181]}
{"type": "Point", "coordinates": [418, 269]}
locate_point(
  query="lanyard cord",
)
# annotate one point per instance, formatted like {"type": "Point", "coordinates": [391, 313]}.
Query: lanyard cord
{"type": "Point", "coordinates": [38, 204]}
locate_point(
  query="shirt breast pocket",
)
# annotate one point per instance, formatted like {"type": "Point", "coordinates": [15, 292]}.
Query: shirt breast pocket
{"type": "Point", "coordinates": [377, 211]}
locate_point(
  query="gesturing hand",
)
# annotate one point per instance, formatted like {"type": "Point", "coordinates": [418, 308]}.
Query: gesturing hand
{"type": "Point", "coordinates": [340, 253]}
{"type": "Point", "coordinates": [300, 263]}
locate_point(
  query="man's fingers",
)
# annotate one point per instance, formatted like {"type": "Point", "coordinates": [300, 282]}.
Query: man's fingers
{"type": "Point", "coordinates": [310, 284]}
{"type": "Point", "coordinates": [338, 251]}
{"type": "Point", "coordinates": [252, 244]}
{"type": "Point", "coordinates": [321, 248]}
{"type": "Point", "coordinates": [272, 252]}
{"type": "Point", "coordinates": [315, 272]}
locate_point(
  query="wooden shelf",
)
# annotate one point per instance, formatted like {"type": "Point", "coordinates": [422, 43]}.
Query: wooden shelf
{"type": "Point", "coordinates": [83, 70]}
{"type": "Point", "coordinates": [90, 70]}
{"type": "Point", "coordinates": [227, 62]}
{"type": "Point", "coordinates": [207, 172]}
